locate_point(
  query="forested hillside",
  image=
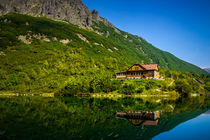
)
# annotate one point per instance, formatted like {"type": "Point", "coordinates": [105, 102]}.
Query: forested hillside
{"type": "Point", "coordinates": [39, 54]}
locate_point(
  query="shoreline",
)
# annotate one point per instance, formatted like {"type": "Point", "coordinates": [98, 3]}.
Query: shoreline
{"type": "Point", "coordinates": [94, 95]}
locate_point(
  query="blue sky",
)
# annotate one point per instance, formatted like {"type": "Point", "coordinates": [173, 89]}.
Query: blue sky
{"type": "Point", "coordinates": [181, 27]}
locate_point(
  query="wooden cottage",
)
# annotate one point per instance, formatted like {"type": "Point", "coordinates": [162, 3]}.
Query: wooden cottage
{"type": "Point", "coordinates": [139, 71]}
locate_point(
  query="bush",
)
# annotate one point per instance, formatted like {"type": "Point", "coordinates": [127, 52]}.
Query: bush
{"type": "Point", "coordinates": [128, 89]}
{"type": "Point", "coordinates": [2, 85]}
{"type": "Point", "coordinates": [182, 87]}
{"type": "Point", "coordinates": [164, 86]}
{"type": "Point", "coordinates": [96, 84]}
{"type": "Point", "coordinates": [75, 85]}
{"type": "Point", "coordinates": [115, 85]}
{"type": "Point", "coordinates": [103, 83]}
{"type": "Point", "coordinates": [207, 87]}
{"type": "Point", "coordinates": [53, 84]}
{"type": "Point", "coordinates": [151, 84]}
{"type": "Point", "coordinates": [11, 80]}
{"type": "Point", "coordinates": [140, 89]}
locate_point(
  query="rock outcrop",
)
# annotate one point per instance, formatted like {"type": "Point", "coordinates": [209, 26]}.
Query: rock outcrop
{"type": "Point", "coordinates": [72, 11]}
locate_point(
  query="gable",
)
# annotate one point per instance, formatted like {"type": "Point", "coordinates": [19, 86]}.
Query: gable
{"type": "Point", "coordinates": [135, 68]}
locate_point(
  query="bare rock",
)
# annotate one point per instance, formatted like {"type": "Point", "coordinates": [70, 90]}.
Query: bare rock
{"type": "Point", "coordinates": [24, 39]}
{"type": "Point", "coordinates": [110, 50]}
{"type": "Point", "coordinates": [27, 23]}
{"type": "Point", "coordinates": [107, 34]}
{"type": "Point", "coordinates": [46, 39]}
{"type": "Point", "coordinates": [65, 41]}
{"type": "Point", "coordinates": [116, 48]}
{"type": "Point", "coordinates": [130, 40]}
{"type": "Point", "coordinates": [96, 44]}
{"type": "Point", "coordinates": [72, 11]}
{"type": "Point", "coordinates": [96, 15]}
{"type": "Point", "coordinates": [2, 53]}
{"type": "Point", "coordinates": [82, 37]}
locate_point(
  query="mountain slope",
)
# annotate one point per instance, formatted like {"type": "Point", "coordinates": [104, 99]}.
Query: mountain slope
{"type": "Point", "coordinates": [75, 12]}
{"type": "Point", "coordinates": [40, 54]}
{"type": "Point", "coordinates": [43, 54]}
{"type": "Point", "coordinates": [207, 69]}
{"type": "Point", "coordinates": [119, 45]}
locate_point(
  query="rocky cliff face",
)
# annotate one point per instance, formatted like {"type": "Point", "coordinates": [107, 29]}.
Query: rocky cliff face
{"type": "Point", "coordinates": [72, 11]}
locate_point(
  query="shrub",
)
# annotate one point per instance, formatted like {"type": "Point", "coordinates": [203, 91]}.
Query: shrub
{"type": "Point", "coordinates": [53, 84]}
{"type": "Point", "coordinates": [96, 84]}
{"type": "Point", "coordinates": [140, 89]}
{"type": "Point", "coordinates": [207, 87]}
{"type": "Point", "coordinates": [23, 77]}
{"type": "Point", "coordinates": [72, 86]}
{"type": "Point", "coordinates": [151, 84]}
{"type": "Point", "coordinates": [128, 89]}
{"type": "Point", "coordinates": [11, 80]}
{"type": "Point", "coordinates": [103, 83]}
{"type": "Point", "coordinates": [2, 85]}
{"type": "Point", "coordinates": [164, 86]}
{"type": "Point", "coordinates": [182, 87]}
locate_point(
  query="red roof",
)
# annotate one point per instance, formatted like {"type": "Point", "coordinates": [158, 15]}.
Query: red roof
{"type": "Point", "coordinates": [150, 66]}
{"type": "Point", "coordinates": [146, 67]}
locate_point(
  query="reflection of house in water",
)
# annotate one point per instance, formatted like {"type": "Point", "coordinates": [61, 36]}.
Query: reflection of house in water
{"type": "Point", "coordinates": [140, 117]}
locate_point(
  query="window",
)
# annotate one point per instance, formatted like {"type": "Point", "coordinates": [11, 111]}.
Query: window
{"type": "Point", "coordinates": [136, 68]}
{"type": "Point", "coordinates": [149, 72]}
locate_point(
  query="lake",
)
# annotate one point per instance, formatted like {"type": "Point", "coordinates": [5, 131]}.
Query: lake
{"type": "Point", "coordinates": [95, 118]}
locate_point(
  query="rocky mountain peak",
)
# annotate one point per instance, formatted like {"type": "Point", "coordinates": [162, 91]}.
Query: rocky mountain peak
{"type": "Point", "coordinates": [96, 15]}
{"type": "Point", "coordinates": [72, 11]}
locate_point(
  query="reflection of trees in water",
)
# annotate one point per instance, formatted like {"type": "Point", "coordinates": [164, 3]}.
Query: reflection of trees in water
{"type": "Point", "coordinates": [36, 117]}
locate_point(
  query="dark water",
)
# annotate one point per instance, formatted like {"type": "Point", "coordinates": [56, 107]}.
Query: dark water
{"type": "Point", "coordinates": [95, 118]}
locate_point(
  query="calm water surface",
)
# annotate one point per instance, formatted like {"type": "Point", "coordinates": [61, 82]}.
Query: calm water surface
{"type": "Point", "coordinates": [95, 118]}
{"type": "Point", "coordinates": [194, 129]}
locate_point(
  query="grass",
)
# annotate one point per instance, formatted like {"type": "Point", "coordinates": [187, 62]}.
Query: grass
{"type": "Point", "coordinates": [48, 66]}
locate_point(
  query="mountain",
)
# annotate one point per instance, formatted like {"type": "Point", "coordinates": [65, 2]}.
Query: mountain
{"type": "Point", "coordinates": [44, 43]}
{"type": "Point", "coordinates": [75, 12]}
{"type": "Point", "coordinates": [207, 69]}
{"type": "Point", "coordinates": [72, 11]}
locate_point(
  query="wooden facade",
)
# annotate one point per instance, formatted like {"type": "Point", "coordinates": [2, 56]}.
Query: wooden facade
{"type": "Point", "coordinates": [139, 71]}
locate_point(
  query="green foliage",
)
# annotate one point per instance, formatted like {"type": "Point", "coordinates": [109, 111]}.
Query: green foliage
{"type": "Point", "coordinates": [150, 84]}
{"type": "Point", "coordinates": [44, 66]}
{"type": "Point", "coordinates": [128, 89]}
{"type": "Point", "coordinates": [140, 89]}
{"type": "Point", "coordinates": [207, 87]}
{"type": "Point", "coordinates": [165, 86]}
{"type": "Point", "coordinates": [11, 80]}
{"type": "Point", "coordinates": [99, 84]}
{"type": "Point", "coordinates": [75, 85]}
{"type": "Point", "coordinates": [182, 87]}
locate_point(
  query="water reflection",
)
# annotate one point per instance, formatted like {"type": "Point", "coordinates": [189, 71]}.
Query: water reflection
{"type": "Point", "coordinates": [193, 129]}
{"type": "Point", "coordinates": [94, 118]}
{"type": "Point", "coordinates": [138, 118]}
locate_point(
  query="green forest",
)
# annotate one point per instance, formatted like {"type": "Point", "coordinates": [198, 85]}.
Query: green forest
{"type": "Point", "coordinates": [40, 55]}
